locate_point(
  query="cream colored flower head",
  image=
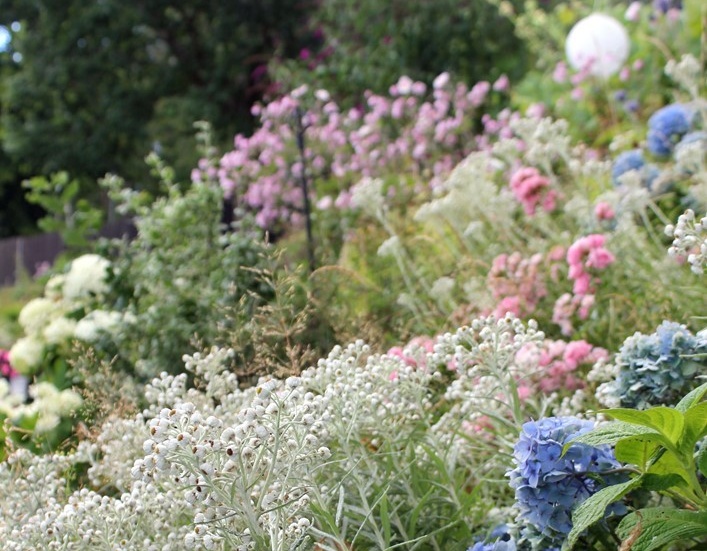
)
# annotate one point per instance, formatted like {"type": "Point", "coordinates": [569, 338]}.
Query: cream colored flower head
{"type": "Point", "coordinates": [86, 277]}
{"type": "Point", "coordinates": [26, 355]}
{"type": "Point", "coordinates": [37, 314]}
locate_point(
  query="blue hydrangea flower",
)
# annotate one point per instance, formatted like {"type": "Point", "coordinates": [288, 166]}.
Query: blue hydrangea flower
{"type": "Point", "coordinates": [665, 127]}
{"type": "Point", "coordinates": [660, 368]}
{"type": "Point", "coordinates": [500, 539]}
{"type": "Point", "coordinates": [548, 485]}
{"type": "Point", "coordinates": [633, 160]}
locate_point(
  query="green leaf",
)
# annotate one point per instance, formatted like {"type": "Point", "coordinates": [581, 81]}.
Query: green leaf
{"type": "Point", "coordinates": [385, 519]}
{"type": "Point", "coordinates": [668, 463]}
{"type": "Point", "coordinates": [637, 450]}
{"type": "Point", "coordinates": [611, 433]}
{"type": "Point", "coordinates": [695, 427]}
{"type": "Point", "coordinates": [667, 421]}
{"type": "Point", "coordinates": [690, 399]}
{"type": "Point", "coordinates": [594, 508]}
{"type": "Point", "coordinates": [702, 460]}
{"type": "Point", "coordinates": [650, 529]}
{"type": "Point", "coordinates": [693, 17]}
{"type": "Point", "coordinates": [660, 482]}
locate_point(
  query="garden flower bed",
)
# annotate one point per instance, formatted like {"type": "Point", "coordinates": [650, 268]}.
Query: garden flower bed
{"type": "Point", "coordinates": [501, 343]}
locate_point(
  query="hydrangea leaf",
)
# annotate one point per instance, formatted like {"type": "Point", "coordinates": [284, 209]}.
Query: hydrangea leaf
{"type": "Point", "coordinates": [702, 460]}
{"type": "Point", "coordinates": [594, 509]}
{"type": "Point", "coordinates": [637, 450]}
{"type": "Point", "coordinates": [695, 427]}
{"type": "Point", "coordinates": [650, 529]}
{"type": "Point", "coordinates": [667, 421]}
{"type": "Point", "coordinates": [692, 398]}
{"type": "Point", "coordinates": [611, 433]}
{"type": "Point", "coordinates": [660, 482]}
{"type": "Point", "coordinates": [668, 463]}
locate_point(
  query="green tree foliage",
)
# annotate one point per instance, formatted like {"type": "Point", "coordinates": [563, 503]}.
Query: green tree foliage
{"type": "Point", "coordinates": [367, 44]}
{"type": "Point", "coordinates": [91, 87]}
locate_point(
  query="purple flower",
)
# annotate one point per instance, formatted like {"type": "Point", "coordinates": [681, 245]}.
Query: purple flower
{"type": "Point", "coordinates": [633, 160]}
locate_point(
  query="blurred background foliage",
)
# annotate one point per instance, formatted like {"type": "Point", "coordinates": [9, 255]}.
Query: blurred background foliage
{"type": "Point", "coordinates": [91, 88]}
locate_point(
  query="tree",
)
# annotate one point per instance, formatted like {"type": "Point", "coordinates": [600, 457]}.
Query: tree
{"type": "Point", "coordinates": [94, 86]}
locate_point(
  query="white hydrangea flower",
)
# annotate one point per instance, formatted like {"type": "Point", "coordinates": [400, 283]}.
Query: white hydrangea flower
{"type": "Point", "coordinates": [46, 422]}
{"type": "Point", "coordinates": [54, 288]}
{"type": "Point", "coordinates": [86, 277]}
{"type": "Point", "coordinates": [89, 329]}
{"type": "Point", "coordinates": [26, 355]}
{"type": "Point", "coordinates": [36, 314]}
{"type": "Point", "coordinates": [59, 330]}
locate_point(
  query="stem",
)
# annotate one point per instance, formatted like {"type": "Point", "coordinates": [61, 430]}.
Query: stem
{"type": "Point", "coordinates": [305, 189]}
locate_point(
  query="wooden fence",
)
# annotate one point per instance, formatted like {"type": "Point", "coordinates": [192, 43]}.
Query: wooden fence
{"type": "Point", "coordinates": [31, 254]}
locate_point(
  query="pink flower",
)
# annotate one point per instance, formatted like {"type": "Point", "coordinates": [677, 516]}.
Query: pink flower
{"type": "Point", "coordinates": [532, 189]}
{"type": "Point", "coordinates": [502, 84]}
{"type": "Point", "coordinates": [633, 11]}
{"type": "Point", "coordinates": [508, 304]}
{"type": "Point", "coordinates": [477, 95]}
{"type": "Point", "coordinates": [604, 211]}
{"type": "Point", "coordinates": [577, 94]}
{"type": "Point", "coordinates": [559, 75]}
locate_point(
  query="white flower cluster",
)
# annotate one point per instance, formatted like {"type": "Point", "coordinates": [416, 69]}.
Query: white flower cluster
{"type": "Point", "coordinates": [484, 357]}
{"type": "Point", "coordinates": [689, 240]}
{"type": "Point", "coordinates": [48, 405]}
{"type": "Point", "coordinates": [687, 73]}
{"type": "Point", "coordinates": [372, 396]}
{"type": "Point", "coordinates": [367, 195]}
{"type": "Point", "coordinates": [47, 321]}
{"type": "Point", "coordinates": [468, 195]}
{"type": "Point", "coordinates": [249, 481]}
{"type": "Point", "coordinates": [546, 139]}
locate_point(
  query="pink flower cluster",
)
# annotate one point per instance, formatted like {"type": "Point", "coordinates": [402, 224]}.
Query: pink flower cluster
{"type": "Point", "coordinates": [414, 353]}
{"type": "Point", "coordinates": [422, 134]}
{"type": "Point", "coordinates": [585, 254]}
{"type": "Point", "coordinates": [584, 257]}
{"type": "Point", "coordinates": [6, 369]}
{"type": "Point", "coordinates": [516, 283]}
{"type": "Point", "coordinates": [533, 190]}
{"type": "Point", "coordinates": [559, 363]}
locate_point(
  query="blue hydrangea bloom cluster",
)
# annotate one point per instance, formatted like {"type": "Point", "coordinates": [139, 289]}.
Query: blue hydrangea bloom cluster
{"type": "Point", "coordinates": [633, 160]}
{"type": "Point", "coordinates": [665, 128]}
{"type": "Point", "coordinates": [549, 485]}
{"type": "Point", "coordinates": [660, 368]}
{"type": "Point", "coordinates": [500, 539]}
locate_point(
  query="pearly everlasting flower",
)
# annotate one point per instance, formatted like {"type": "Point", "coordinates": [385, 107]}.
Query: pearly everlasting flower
{"type": "Point", "coordinates": [665, 127]}
{"type": "Point", "coordinates": [549, 485]}
{"type": "Point", "coordinates": [691, 152]}
{"type": "Point", "coordinates": [26, 355]}
{"type": "Point", "coordinates": [86, 277]}
{"type": "Point", "coordinates": [368, 196]}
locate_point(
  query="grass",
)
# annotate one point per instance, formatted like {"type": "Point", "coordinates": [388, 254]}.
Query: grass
{"type": "Point", "coordinates": [12, 299]}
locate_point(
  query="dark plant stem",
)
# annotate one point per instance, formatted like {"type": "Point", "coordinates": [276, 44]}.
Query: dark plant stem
{"type": "Point", "coordinates": [304, 184]}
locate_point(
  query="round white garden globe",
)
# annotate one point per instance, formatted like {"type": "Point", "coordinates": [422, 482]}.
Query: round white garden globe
{"type": "Point", "coordinates": [599, 44]}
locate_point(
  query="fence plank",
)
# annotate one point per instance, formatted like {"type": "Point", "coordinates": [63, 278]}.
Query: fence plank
{"type": "Point", "coordinates": [28, 253]}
